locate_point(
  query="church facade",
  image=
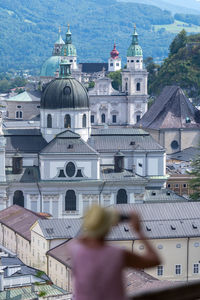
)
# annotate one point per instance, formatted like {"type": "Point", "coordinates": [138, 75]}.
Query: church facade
{"type": "Point", "coordinates": [107, 105]}
{"type": "Point", "coordinates": [65, 166]}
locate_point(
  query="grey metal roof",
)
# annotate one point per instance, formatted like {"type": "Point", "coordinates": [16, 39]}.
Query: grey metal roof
{"type": "Point", "coordinates": [170, 110]}
{"type": "Point", "coordinates": [25, 143]}
{"type": "Point", "coordinates": [68, 142]}
{"type": "Point", "coordinates": [159, 220]}
{"type": "Point", "coordinates": [108, 173]}
{"type": "Point", "coordinates": [93, 67]}
{"type": "Point", "coordinates": [26, 132]}
{"type": "Point", "coordinates": [60, 228]}
{"type": "Point", "coordinates": [103, 143]}
{"type": "Point", "coordinates": [162, 195]}
{"type": "Point", "coordinates": [119, 131]}
{"type": "Point", "coordinates": [25, 292]}
{"type": "Point", "coordinates": [163, 211]}
{"type": "Point", "coordinates": [187, 154]}
{"type": "Point", "coordinates": [29, 174]}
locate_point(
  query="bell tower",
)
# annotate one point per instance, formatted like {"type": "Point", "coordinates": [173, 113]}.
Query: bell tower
{"type": "Point", "coordinates": [134, 81]}
{"type": "Point", "coordinates": [114, 62]}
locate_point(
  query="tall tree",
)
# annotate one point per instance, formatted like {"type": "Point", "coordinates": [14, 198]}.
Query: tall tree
{"type": "Point", "coordinates": [179, 42]}
{"type": "Point", "coordinates": [195, 181]}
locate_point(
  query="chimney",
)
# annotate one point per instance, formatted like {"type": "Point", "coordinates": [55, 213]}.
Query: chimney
{"type": "Point", "coordinates": [119, 162]}
{"type": "Point", "coordinates": [1, 280]}
{"type": "Point", "coordinates": [17, 164]}
{"type": "Point", "coordinates": [133, 169]}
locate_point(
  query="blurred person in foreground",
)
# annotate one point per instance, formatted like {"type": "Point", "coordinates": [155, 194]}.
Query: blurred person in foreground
{"type": "Point", "coordinates": [97, 266]}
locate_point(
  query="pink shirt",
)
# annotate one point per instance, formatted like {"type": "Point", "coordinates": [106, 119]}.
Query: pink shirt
{"type": "Point", "coordinates": [97, 272]}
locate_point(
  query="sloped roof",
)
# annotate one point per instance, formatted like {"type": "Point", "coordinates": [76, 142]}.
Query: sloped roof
{"type": "Point", "coordinates": [105, 140]}
{"type": "Point", "coordinates": [93, 67]}
{"type": "Point", "coordinates": [170, 110]}
{"type": "Point", "coordinates": [59, 228]}
{"type": "Point", "coordinates": [19, 219]}
{"type": "Point", "coordinates": [187, 154]}
{"type": "Point", "coordinates": [30, 96]}
{"type": "Point", "coordinates": [68, 142]}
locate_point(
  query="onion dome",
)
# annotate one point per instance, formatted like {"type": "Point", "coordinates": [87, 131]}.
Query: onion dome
{"type": "Point", "coordinates": [114, 53]}
{"type": "Point", "coordinates": [68, 49]}
{"type": "Point", "coordinates": [65, 92]}
{"type": "Point", "coordinates": [134, 49]}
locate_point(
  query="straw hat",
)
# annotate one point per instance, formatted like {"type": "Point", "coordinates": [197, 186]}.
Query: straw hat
{"type": "Point", "coordinates": [98, 221]}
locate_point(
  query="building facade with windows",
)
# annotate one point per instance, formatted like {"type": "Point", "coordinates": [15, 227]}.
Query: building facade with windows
{"type": "Point", "coordinates": [125, 107]}
{"type": "Point", "coordinates": [66, 166]}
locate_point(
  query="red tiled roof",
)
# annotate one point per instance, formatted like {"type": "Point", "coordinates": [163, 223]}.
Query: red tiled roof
{"type": "Point", "coordinates": [19, 219]}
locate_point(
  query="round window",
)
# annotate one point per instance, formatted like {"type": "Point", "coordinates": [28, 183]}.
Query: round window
{"type": "Point", "coordinates": [178, 245]}
{"type": "Point", "coordinates": [70, 169]}
{"type": "Point", "coordinates": [174, 144]}
{"type": "Point", "coordinates": [141, 247]}
{"type": "Point", "coordinates": [67, 90]}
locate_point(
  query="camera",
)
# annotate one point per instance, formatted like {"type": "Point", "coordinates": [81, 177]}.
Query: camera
{"type": "Point", "coordinates": [124, 218]}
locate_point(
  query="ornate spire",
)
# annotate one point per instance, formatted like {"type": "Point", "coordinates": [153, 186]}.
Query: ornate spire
{"type": "Point", "coordinates": [68, 35]}
{"type": "Point", "coordinates": [135, 36]}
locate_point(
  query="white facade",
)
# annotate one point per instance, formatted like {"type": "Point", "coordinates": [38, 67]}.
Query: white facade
{"type": "Point", "coordinates": [114, 64]}
{"type": "Point", "coordinates": [77, 123]}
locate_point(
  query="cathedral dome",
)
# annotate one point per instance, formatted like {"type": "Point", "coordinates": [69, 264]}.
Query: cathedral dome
{"type": "Point", "coordinates": [51, 66]}
{"type": "Point", "coordinates": [65, 93]}
{"type": "Point", "coordinates": [68, 49]}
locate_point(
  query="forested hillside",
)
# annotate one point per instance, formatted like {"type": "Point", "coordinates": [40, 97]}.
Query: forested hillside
{"type": "Point", "coordinates": [182, 67]}
{"type": "Point", "coordinates": [29, 29]}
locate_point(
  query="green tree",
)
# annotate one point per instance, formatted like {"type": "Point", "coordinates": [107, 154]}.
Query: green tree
{"type": "Point", "coordinates": [178, 42]}
{"type": "Point", "coordinates": [117, 79]}
{"type": "Point", "coordinates": [152, 69]}
{"type": "Point", "coordinates": [194, 183]}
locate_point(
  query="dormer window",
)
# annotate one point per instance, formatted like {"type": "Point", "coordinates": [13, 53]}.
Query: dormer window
{"type": "Point", "coordinates": [187, 120]}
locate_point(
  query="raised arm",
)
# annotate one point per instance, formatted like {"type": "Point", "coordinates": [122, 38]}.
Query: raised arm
{"type": "Point", "coordinates": [150, 258]}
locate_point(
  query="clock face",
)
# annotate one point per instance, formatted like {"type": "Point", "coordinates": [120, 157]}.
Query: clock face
{"type": "Point", "coordinates": [70, 169]}
{"type": "Point", "coordinates": [67, 90]}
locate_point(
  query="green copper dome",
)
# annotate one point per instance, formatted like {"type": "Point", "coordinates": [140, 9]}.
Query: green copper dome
{"type": "Point", "coordinates": [51, 66]}
{"type": "Point", "coordinates": [68, 49]}
{"type": "Point", "coordinates": [134, 49]}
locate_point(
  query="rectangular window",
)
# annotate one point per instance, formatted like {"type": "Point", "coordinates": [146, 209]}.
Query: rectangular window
{"type": "Point", "coordinates": [117, 64]}
{"type": "Point", "coordinates": [92, 118]}
{"type": "Point", "coordinates": [177, 185]}
{"type": "Point", "coordinates": [111, 64]}
{"type": "Point", "coordinates": [160, 270]}
{"type": "Point", "coordinates": [114, 119]}
{"type": "Point", "coordinates": [184, 185]}
{"type": "Point", "coordinates": [169, 185]}
{"type": "Point", "coordinates": [196, 268]}
{"type": "Point", "coordinates": [178, 269]}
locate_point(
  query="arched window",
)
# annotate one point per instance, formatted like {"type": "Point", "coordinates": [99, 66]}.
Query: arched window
{"type": "Point", "coordinates": [84, 121]}
{"type": "Point", "coordinates": [49, 121]}
{"type": "Point", "coordinates": [138, 86]}
{"type": "Point", "coordinates": [18, 198]}
{"type": "Point", "coordinates": [126, 86]}
{"type": "Point", "coordinates": [67, 121]}
{"type": "Point", "coordinates": [19, 114]}
{"type": "Point", "coordinates": [103, 118]}
{"type": "Point", "coordinates": [121, 197]}
{"type": "Point", "coordinates": [70, 200]}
